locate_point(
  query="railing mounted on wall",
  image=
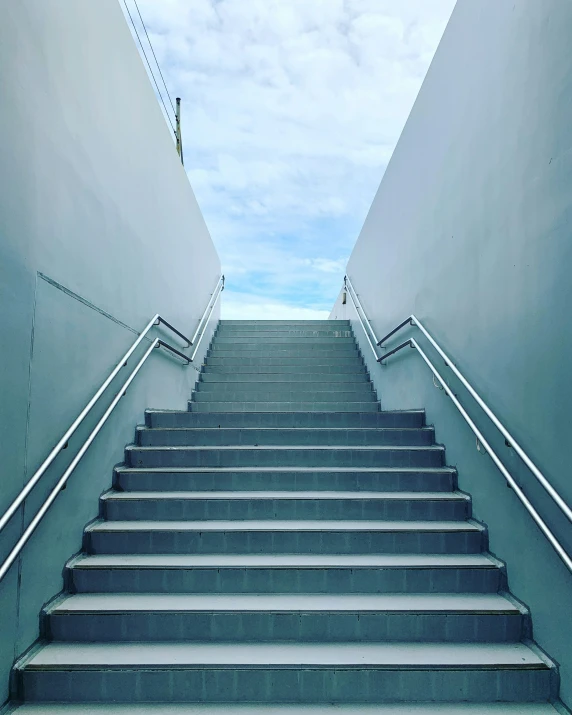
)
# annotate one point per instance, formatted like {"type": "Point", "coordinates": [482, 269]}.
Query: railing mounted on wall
{"type": "Point", "coordinates": [63, 441]}
{"type": "Point", "coordinates": [510, 440]}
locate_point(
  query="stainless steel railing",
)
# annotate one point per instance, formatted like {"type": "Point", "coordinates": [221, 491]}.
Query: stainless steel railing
{"type": "Point", "coordinates": [412, 320]}
{"type": "Point", "coordinates": [62, 442]}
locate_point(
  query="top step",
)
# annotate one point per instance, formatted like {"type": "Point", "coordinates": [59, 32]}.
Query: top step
{"type": "Point", "coordinates": [285, 323]}
{"type": "Point", "coordinates": [294, 333]}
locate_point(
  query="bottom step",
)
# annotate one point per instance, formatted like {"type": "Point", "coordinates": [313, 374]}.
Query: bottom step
{"type": "Point", "coordinates": [250, 709]}
{"type": "Point", "coordinates": [284, 673]}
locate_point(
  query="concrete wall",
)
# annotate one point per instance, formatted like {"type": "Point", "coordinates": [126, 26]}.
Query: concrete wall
{"type": "Point", "coordinates": [471, 231]}
{"type": "Point", "coordinates": [99, 230]}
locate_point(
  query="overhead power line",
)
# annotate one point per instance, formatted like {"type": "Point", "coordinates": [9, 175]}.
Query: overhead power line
{"type": "Point", "coordinates": [155, 56]}
{"type": "Point", "coordinates": [149, 64]}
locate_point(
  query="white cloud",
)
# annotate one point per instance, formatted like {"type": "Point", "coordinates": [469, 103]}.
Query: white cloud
{"type": "Point", "coordinates": [239, 306]}
{"type": "Point", "coordinates": [291, 110]}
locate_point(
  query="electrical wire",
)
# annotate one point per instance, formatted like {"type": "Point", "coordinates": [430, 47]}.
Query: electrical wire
{"type": "Point", "coordinates": [150, 70]}
{"type": "Point", "coordinates": [155, 56]}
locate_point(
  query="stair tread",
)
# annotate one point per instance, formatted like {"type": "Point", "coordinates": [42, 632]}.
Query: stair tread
{"type": "Point", "coordinates": [340, 430]}
{"type": "Point", "coordinates": [317, 525]}
{"type": "Point", "coordinates": [284, 654]}
{"type": "Point", "coordinates": [381, 412]}
{"type": "Point", "coordinates": [352, 561]}
{"type": "Point", "coordinates": [289, 447]}
{"type": "Point", "coordinates": [208, 602]}
{"type": "Point", "coordinates": [325, 470]}
{"type": "Point", "coordinates": [303, 709]}
{"type": "Point", "coordinates": [309, 495]}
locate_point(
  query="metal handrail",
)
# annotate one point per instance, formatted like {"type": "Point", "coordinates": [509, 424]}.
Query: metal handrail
{"type": "Point", "coordinates": [358, 306]}
{"type": "Point", "coordinates": [504, 471]}
{"type": "Point", "coordinates": [62, 442]}
{"type": "Point", "coordinates": [13, 555]}
{"type": "Point", "coordinates": [487, 410]}
{"type": "Point", "coordinates": [208, 312]}
{"type": "Point", "coordinates": [511, 441]}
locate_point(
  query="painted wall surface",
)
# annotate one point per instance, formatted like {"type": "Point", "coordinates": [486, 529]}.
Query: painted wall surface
{"type": "Point", "coordinates": [99, 230]}
{"type": "Point", "coordinates": [471, 231]}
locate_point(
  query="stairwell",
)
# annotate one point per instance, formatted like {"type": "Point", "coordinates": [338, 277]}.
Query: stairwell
{"type": "Point", "coordinates": [285, 543]}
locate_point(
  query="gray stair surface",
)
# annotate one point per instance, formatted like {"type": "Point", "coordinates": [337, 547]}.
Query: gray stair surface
{"type": "Point", "coordinates": [285, 546]}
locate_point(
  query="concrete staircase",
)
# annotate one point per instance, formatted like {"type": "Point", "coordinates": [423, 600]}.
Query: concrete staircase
{"type": "Point", "coordinates": [282, 546]}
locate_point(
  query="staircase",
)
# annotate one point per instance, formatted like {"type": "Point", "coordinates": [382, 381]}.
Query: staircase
{"type": "Point", "coordinates": [285, 542]}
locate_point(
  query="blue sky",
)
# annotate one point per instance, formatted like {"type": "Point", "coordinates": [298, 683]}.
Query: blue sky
{"type": "Point", "coordinates": [291, 111]}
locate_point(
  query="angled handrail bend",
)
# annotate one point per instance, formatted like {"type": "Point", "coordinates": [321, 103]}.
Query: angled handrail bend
{"type": "Point", "coordinates": [504, 471]}
{"type": "Point", "coordinates": [411, 342]}
{"type": "Point", "coordinates": [358, 306]}
{"type": "Point", "coordinates": [62, 442]}
{"type": "Point", "coordinates": [13, 555]}
{"type": "Point", "coordinates": [487, 410]}
{"type": "Point", "coordinates": [10, 511]}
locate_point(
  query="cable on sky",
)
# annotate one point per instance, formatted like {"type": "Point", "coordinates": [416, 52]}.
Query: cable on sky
{"type": "Point", "coordinates": [155, 56]}
{"type": "Point", "coordinates": [149, 64]}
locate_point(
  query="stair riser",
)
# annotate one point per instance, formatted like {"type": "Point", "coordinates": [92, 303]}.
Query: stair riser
{"type": "Point", "coordinates": [282, 542]}
{"type": "Point", "coordinates": [223, 394]}
{"type": "Point", "coordinates": [226, 340]}
{"type": "Point", "coordinates": [285, 685]}
{"type": "Point", "coordinates": [318, 390]}
{"type": "Point", "coordinates": [295, 481]}
{"type": "Point", "coordinates": [288, 334]}
{"type": "Point", "coordinates": [323, 346]}
{"type": "Point", "coordinates": [335, 380]}
{"type": "Point", "coordinates": [261, 325]}
{"type": "Point", "coordinates": [280, 366]}
{"type": "Point", "coordinates": [265, 354]}
{"type": "Point", "coordinates": [376, 419]}
{"type": "Point", "coordinates": [285, 580]}
{"type": "Point", "coordinates": [294, 627]}
{"type": "Point", "coordinates": [238, 509]}
{"type": "Point", "coordinates": [281, 437]}
{"type": "Point", "coordinates": [284, 406]}
{"type": "Point", "coordinates": [285, 457]}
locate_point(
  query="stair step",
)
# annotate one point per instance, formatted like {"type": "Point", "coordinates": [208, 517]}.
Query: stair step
{"type": "Point", "coordinates": [319, 479]}
{"type": "Point", "coordinates": [290, 406]}
{"type": "Point", "coordinates": [294, 339]}
{"type": "Point", "coordinates": [286, 333]}
{"type": "Point", "coordinates": [342, 347]}
{"type": "Point", "coordinates": [317, 389]}
{"type": "Point", "coordinates": [284, 617]}
{"type": "Point", "coordinates": [186, 505]}
{"type": "Point", "coordinates": [258, 327]}
{"type": "Point", "coordinates": [292, 419]}
{"type": "Point", "coordinates": [284, 672]}
{"type": "Point", "coordinates": [479, 708]}
{"type": "Point", "coordinates": [284, 536]}
{"type": "Point", "coordinates": [342, 379]}
{"type": "Point", "coordinates": [219, 393]}
{"type": "Point", "coordinates": [285, 573]}
{"type": "Point", "coordinates": [272, 455]}
{"type": "Point", "coordinates": [296, 436]}
{"type": "Point", "coordinates": [285, 366]}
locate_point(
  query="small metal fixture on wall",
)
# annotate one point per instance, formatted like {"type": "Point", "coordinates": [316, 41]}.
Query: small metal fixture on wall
{"type": "Point", "coordinates": [178, 130]}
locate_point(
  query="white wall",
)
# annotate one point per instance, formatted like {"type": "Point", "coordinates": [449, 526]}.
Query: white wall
{"type": "Point", "coordinates": [99, 230]}
{"type": "Point", "coordinates": [470, 230]}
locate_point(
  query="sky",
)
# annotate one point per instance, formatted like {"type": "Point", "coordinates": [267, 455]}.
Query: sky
{"type": "Point", "coordinates": [291, 110]}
